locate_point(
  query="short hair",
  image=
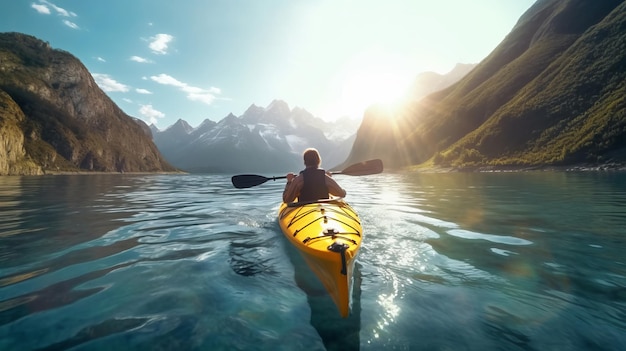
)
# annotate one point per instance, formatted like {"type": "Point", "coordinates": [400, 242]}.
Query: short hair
{"type": "Point", "coordinates": [311, 157]}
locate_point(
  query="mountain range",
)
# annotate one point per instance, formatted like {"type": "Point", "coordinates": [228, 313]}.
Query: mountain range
{"type": "Point", "coordinates": [553, 92]}
{"type": "Point", "coordinates": [56, 119]}
{"type": "Point", "coordinates": [267, 139]}
{"type": "Point", "coordinates": [271, 139]}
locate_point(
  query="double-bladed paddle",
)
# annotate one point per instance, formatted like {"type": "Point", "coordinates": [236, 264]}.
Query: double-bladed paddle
{"type": "Point", "coordinates": [358, 169]}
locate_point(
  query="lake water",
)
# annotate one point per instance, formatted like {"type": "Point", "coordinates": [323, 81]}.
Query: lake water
{"type": "Point", "coordinates": [506, 261]}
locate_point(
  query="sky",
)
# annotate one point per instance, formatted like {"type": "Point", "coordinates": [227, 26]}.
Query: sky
{"type": "Point", "coordinates": [163, 60]}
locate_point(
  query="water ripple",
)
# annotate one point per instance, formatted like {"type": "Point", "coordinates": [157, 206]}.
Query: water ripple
{"type": "Point", "coordinates": [189, 262]}
{"type": "Point", "coordinates": [500, 239]}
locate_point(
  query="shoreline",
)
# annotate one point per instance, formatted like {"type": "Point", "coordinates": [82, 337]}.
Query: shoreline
{"type": "Point", "coordinates": [55, 173]}
{"type": "Point", "coordinates": [607, 167]}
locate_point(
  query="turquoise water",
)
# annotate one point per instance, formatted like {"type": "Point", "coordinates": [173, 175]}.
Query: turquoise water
{"type": "Point", "coordinates": [508, 261]}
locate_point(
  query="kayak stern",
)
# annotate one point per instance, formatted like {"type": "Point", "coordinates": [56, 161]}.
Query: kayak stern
{"type": "Point", "coordinates": [328, 235]}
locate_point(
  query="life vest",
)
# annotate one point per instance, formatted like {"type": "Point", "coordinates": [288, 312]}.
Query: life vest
{"type": "Point", "coordinates": [314, 187]}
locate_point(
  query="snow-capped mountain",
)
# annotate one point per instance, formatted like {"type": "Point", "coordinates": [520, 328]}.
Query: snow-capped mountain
{"type": "Point", "coordinates": [267, 140]}
{"type": "Point", "coordinates": [272, 139]}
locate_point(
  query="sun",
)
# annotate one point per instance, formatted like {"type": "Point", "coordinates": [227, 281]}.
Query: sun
{"type": "Point", "coordinates": [371, 79]}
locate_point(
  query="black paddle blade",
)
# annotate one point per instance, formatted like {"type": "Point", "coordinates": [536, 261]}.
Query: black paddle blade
{"type": "Point", "coordinates": [248, 180]}
{"type": "Point", "coordinates": [364, 168]}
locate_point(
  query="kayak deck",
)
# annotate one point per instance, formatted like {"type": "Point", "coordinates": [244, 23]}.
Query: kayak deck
{"type": "Point", "coordinates": [328, 235]}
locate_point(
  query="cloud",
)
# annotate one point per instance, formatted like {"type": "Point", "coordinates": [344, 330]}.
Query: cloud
{"type": "Point", "coordinates": [108, 84]}
{"type": "Point", "coordinates": [43, 9]}
{"type": "Point", "coordinates": [149, 113]}
{"type": "Point", "coordinates": [140, 59]}
{"type": "Point", "coordinates": [60, 11]}
{"type": "Point", "coordinates": [143, 91]}
{"type": "Point", "coordinates": [71, 24]}
{"type": "Point", "coordinates": [159, 43]}
{"type": "Point", "coordinates": [98, 58]}
{"type": "Point", "coordinates": [206, 96]}
{"type": "Point", "coordinates": [168, 80]}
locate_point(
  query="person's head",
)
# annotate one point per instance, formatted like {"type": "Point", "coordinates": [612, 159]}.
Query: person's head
{"type": "Point", "coordinates": [311, 158]}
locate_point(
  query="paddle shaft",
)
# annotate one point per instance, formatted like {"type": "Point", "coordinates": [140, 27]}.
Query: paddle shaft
{"type": "Point", "coordinates": [285, 177]}
{"type": "Point", "coordinates": [364, 168]}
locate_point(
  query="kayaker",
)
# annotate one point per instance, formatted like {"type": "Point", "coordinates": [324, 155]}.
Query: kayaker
{"type": "Point", "coordinates": [313, 183]}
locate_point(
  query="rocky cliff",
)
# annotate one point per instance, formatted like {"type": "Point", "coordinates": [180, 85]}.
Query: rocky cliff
{"type": "Point", "coordinates": [13, 158]}
{"type": "Point", "coordinates": [54, 117]}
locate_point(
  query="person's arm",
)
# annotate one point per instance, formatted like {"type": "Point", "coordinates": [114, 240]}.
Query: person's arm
{"type": "Point", "coordinates": [334, 188]}
{"type": "Point", "coordinates": [292, 188]}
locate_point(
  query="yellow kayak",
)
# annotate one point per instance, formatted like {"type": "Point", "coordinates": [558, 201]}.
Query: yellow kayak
{"type": "Point", "coordinates": [328, 235]}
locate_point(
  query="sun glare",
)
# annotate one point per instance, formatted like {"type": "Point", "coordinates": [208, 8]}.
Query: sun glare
{"type": "Point", "coordinates": [369, 80]}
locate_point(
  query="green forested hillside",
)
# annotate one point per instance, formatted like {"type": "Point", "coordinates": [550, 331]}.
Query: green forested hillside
{"type": "Point", "coordinates": [552, 93]}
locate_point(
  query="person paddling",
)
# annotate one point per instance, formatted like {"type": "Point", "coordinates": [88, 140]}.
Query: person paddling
{"type": "Point", "coordinates": [313, 183]}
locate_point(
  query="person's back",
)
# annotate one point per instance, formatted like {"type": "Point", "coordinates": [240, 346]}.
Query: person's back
{"type": "Point", "coordinates": [313, 183]}
{"type": "Point", "coordinates": [314, 187]}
